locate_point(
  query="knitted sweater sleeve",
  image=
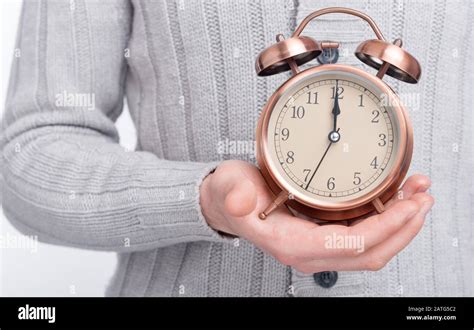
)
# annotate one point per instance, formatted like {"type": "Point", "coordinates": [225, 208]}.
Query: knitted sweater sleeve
{"type": "Point", "coordinates": [65, 178]}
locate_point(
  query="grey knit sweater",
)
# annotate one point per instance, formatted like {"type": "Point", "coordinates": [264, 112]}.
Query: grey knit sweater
{"type": "Point", "coordinates": [186, 69]}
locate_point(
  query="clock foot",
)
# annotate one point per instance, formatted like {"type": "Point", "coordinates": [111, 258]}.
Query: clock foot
{"type": "Point", "coordinates": [379, 207]}
{"type": "Point", "coordinates": [279, 200]}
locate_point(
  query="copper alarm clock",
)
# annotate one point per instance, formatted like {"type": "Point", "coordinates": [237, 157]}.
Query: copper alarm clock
{"type": "Point", "coordinates": [334, 142]}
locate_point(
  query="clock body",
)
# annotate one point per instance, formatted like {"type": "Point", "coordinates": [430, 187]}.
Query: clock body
{"type": "Point", "coordinates": [327, 176]}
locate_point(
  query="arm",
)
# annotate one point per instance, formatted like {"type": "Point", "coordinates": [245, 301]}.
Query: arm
{"type": "Point", "coordinates": [65, 177]}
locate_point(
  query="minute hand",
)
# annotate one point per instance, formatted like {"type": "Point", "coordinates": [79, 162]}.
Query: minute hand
{"type": "Point", "coordinates": [320, 161]}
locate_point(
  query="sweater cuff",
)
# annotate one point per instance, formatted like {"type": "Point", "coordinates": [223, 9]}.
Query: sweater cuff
{"type": "Point", "coordinates": [203, 225]}
{"type": "Point", "coordinates": [177, 216]}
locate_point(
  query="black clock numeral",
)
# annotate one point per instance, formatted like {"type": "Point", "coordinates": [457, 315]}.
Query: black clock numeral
{"type": "Point", "coordinates": [340, 91]}
{"type": "Point", "coordinates": [376, 115]}
{"type": "Point", "coordinates": [306, 173]}
{"type": "Point", "coordinates": [374, 163]}
{"type": "Point", "coordinates": [331, 184]}
{"type": "Point", "coordinates": [383, 140]}
{"type": "Point", "coordinates": [285, 134]}
{"type": "Point", "coordinates": [290, 157]}
{"type": "Point", "coordinates": [361, 100]}
{"type": "Point", "coordinates": [298, 112]}
{"type": "Point", "coordinates": [312, 98]}
{"type": "Point", "coordinates": [357, 179]}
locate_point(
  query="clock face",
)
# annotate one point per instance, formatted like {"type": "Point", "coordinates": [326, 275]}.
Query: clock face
{"type": "Point", "coordinates": [332, 137]}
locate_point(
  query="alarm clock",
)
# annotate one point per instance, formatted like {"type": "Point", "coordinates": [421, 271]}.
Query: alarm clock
{"type": "Point", "coordinates": [334, 142]}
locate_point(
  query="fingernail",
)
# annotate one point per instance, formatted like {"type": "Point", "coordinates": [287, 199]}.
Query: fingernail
{"type": "Point", "coordinates": [423, 188]}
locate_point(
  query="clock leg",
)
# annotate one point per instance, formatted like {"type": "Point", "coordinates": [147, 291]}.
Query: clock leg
{"type": "Point", "coordinates": [379, 207]}
{"type": "Point", "coordinates": [279, 200]}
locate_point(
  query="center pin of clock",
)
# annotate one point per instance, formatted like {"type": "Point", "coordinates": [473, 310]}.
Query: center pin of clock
{"type": "Point", "coordinates": [334, 136]}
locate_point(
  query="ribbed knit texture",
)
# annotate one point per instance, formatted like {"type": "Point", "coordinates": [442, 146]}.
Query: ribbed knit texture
{"type": "Point", "coordinates": [187, 71]}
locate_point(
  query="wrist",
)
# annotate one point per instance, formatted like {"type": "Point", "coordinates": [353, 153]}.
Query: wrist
{"type": "Point", "coordinates": [210, 210]}
{"type": "Point", "coordinates": [205, 197]}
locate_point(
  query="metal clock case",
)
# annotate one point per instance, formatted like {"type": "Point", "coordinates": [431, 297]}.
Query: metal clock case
{"type": "Point", "coordinates": [303, 192]}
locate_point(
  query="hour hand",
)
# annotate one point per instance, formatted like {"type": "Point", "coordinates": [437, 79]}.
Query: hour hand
{"type": "Point", "coordinates": [336, 111]}
{"type": "Point", "coordinates": [334, 135]}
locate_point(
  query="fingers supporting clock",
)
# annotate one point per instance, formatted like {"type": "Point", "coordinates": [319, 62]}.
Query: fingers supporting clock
{"type": "Point", "coordinates": [390, 247]}
{"type": "Point", "coordinates": [372, 230]}
{"type": "Point", "coordinates": [377, 256]}
{"type": "Point", "coordinates": [414, 184]}
{"type": "Point", "coordinates": [302, 241]}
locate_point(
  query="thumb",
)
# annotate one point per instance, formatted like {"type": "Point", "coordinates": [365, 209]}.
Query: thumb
{"type": "Point", "coordinates": [241, 198]}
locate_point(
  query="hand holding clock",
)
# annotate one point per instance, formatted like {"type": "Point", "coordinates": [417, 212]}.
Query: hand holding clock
{"type": "Point", "coordinates": [232, 197]}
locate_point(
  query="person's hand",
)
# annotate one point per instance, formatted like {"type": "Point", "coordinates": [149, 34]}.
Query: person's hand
{"type": "Point", "coordinates": [233, 196]}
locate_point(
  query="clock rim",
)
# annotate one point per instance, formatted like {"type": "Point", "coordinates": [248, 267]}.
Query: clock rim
{"type": "Point", "coordinates": [345, 209]}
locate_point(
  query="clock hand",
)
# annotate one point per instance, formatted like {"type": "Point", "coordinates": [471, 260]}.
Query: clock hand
{"type": "Point", "coordinates": [320, 161]}
{"type": "Point", "coordinates": [334, 136]}
{"type": "Point", "coordinates": [336, 110]}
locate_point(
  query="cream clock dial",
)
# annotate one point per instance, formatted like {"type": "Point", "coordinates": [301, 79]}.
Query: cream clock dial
{"type": "Point", "coordinates": [332, 137]}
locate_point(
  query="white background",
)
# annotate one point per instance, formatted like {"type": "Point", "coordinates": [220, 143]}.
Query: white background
{"type": "Point", "coordinates": [52, 270]}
